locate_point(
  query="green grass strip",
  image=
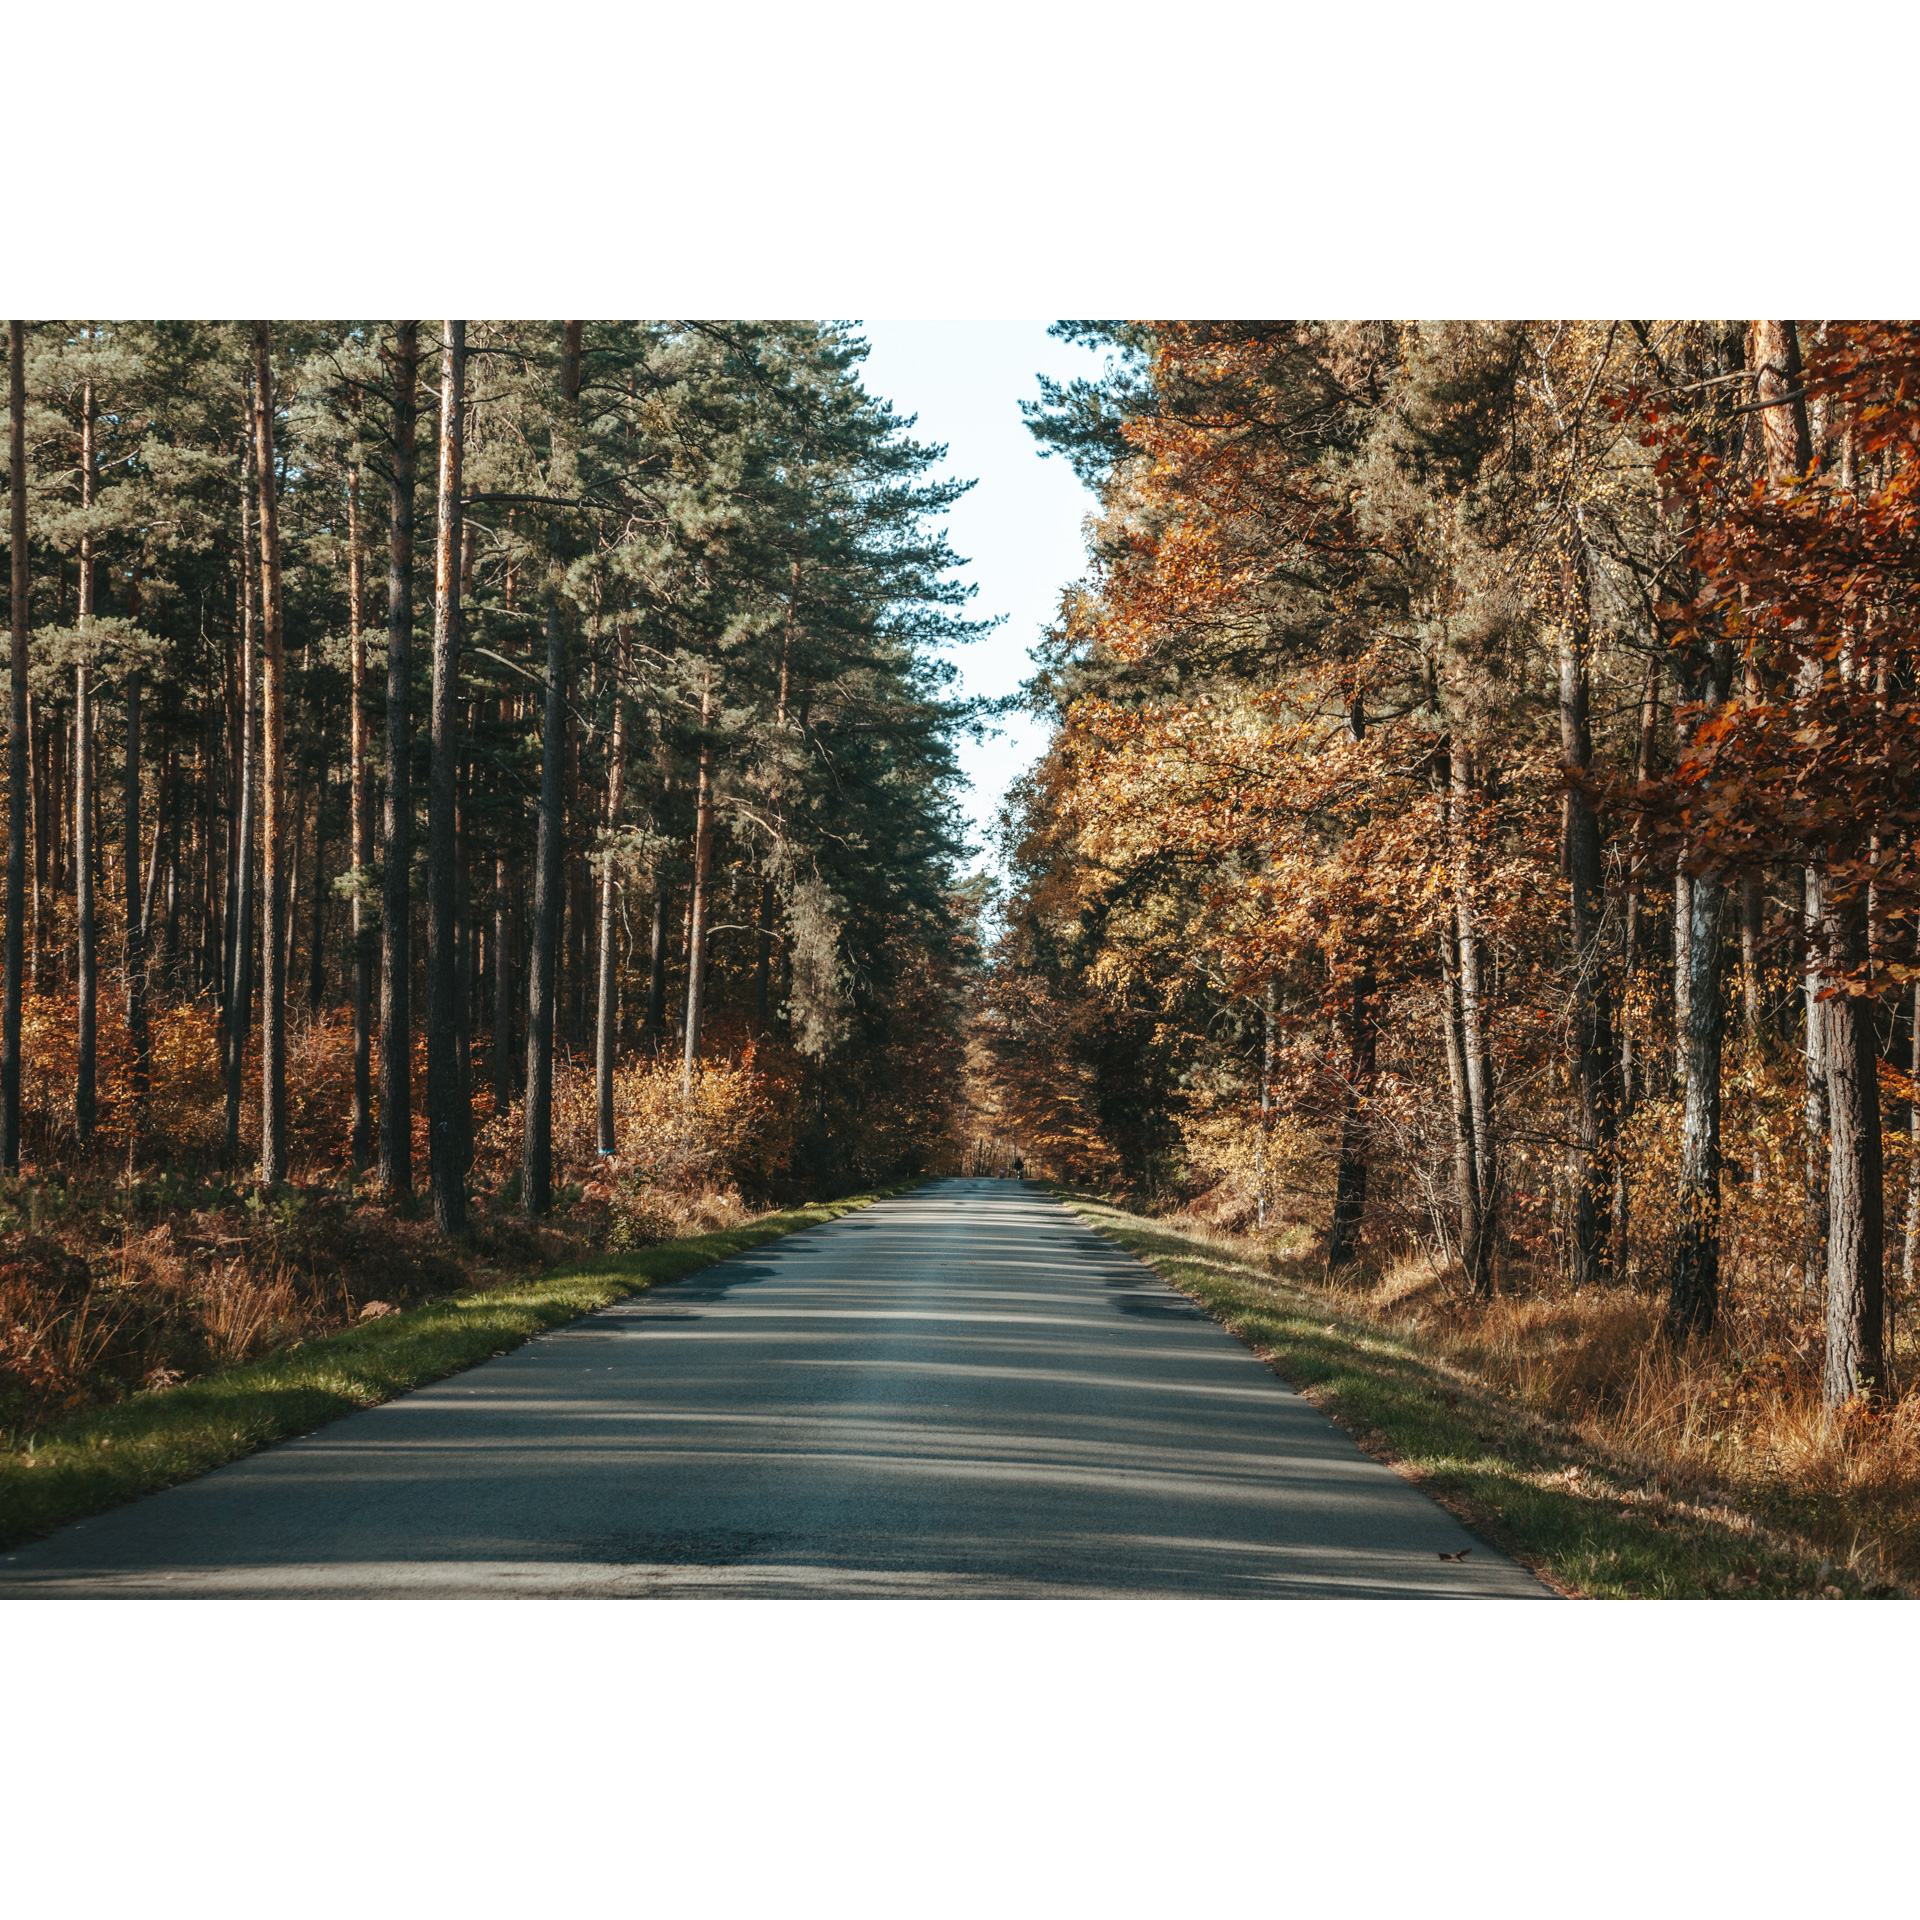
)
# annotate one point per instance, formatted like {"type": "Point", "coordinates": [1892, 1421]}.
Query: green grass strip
{"type": "Point", "coordinates": [154, 1440]}
{"type": "Point", "coordinates": [1600, 1531]}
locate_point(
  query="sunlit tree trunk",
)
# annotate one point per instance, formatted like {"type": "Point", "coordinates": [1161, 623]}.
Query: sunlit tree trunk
{"type": "Point", "coordinates": [396, 960]}
{"type": "Point", "coordinates": [1694, 1290]}
{"type": "Point", "coordinates": [1473, 1038]}
{"type": "Point", "coordinates": [501, 960]}
{"type": "Point", "coordinates": [447, 1131]}
{"type": "Point", "coordinates": [1855, 1349]}
{"type": "Point", "coordinates": [607, 1008]}
{"type": "Point", "coordinates": [273, 1004]}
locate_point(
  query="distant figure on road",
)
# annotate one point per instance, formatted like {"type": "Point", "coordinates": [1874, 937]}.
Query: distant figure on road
{"type": "Point", "coordinates": [1019, 1168]}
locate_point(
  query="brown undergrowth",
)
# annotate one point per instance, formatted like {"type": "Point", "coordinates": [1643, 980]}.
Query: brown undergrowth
{"type": "Point", "coordinates": [1738, 1415]}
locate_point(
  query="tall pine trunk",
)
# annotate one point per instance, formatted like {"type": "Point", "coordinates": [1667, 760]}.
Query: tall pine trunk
{"type": "Point", "coordinates": [607, 1007]}
{"type": "Point", "coordinates": [18, 741]}
{"type": "Point", "coordinates": [697, 905]}
{"type": "Point", "coordinates": [396, 959]}
{"type": "Point", "coordinates": [500, 959]}
{"type": "Point", "coordinates": [138, 907]}
{"type": "Point", "coordinates": [83, 812]}
{"type": "Point", "coordinates": [360, 831]}
{"type": "Point", "coordinates": [447, 1131]}
{"type": "Point", "coordinates": [1630, 1067]}
{"type": "Point", "coordinates": [240, 887]}
{"type": "Point", "coordinates": [549, 860]}
{"type": "Point", "coordinates": [273, 770]}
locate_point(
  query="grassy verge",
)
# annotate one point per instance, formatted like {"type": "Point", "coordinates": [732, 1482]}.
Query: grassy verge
{"type": "Point", "coordinates": [98, 1460]}
{"type": "Point", "coordinates": [1589, 1523]}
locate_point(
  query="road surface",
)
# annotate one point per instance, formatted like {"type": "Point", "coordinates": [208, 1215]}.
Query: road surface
{"type": "Point", "coordinates": [962, 1391]}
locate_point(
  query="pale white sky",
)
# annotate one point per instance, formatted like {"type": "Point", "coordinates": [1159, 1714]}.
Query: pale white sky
{"type": "Point", "coordinates": [1020, 527]}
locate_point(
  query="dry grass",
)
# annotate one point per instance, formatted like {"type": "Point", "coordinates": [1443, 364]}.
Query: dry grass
{"type": "Point", "coordinates": [1735, 1416]}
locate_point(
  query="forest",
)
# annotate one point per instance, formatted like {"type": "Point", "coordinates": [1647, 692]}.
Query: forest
{"type": "Point", "coordinates": [1475, 854]}
{"type": "Point", "coordinates": [474, 788]}
{"type": "Point", "coordinates": [480, 791]}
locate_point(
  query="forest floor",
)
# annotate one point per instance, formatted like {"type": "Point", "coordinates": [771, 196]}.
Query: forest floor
{"type": "Point", "coordinates": [1591, 1514]}
{"type": "Point", "coordinates": [293, 1275]}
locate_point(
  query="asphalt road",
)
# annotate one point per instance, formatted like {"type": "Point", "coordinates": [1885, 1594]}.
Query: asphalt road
{"type": "Point", "coordinates": [962, 1391]}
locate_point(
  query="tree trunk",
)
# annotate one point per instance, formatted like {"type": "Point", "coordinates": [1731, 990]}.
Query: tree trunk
{"type": "Point", "coordinates": [137, 909]}
{"type": "Point", "coordinates": [273, 1003]}
{"type": "Point", "coordinates": [360, 831]}
{"type": "Point", "coordinates": [1350, 1181]}
{"type": "Point", "coordinates": [447, 1132]}
{"type": "Point", "coordinates": [1630, 954]}
{"type": "Point", "coordinates": [1856, 1352]}
{"type": "Point", "coordinates": [1910, 1251]}
{"type": "Point", "coordinates": [1592, 997]}
{"type": "Point", "coordinates": [240, 891]}
{"type": "Point", "coordinates": [501, 959]}
{"type": "Point", "coordinates": [316, 950]}
{"type": "Point", "coordinates": [1694, 1294]}
{"type": "Point", "coordinates": [697, 905]}
{"type": "Point", "coordinates": [549, 860]}
{"type": "Point", "coordinates": [83, 1092]}
{"type": "Point", "coordinates": [1813, 1246]}
{"type": "Point", "coordinates": [607, 1009]}
{"type": "Point", "coordinates": [1473, 1035]}
{"type": "Point", "coordinates": [18, 743]}
{"type": "Point", "coordinates": [396, 959]}
{"type": "Point", "coordinates": [656, 1028]}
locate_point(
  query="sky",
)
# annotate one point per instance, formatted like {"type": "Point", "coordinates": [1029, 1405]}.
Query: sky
{"type": "Point", "coordinates": [1019, 529]}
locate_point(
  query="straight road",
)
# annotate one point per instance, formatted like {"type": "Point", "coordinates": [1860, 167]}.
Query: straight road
{"type": "Point", "coordinates": [960, 1392]}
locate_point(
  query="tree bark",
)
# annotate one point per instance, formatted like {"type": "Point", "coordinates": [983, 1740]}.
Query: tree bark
{"type": "Point", "coordinates": [447, 1132]}
{"type": "Point", "coordinates": [240, 894]}
{"type": "Point", "coordinates": [1592, 1008]}
{"type": "Point", "coordinates": [1350, 1181]}
{"type": "Point", "coordinates": [697, 905]}
{"type": "Point", "coordinates": [359, 829]}
{"type": "Point", "coordinates": [1630, 954]}
{"type": "Point", "coordinates": [1473, 1036]}
{"type": "Point", "coordinates": [1855, 1349]}
{"type": "Point", "coordinates": [500, 958]}
{"type": "Point", "coordinates": [1694, 1292]}
{"type": "Point", "coordinates": [84, 1091]}
{"type": "Point", "coordinates": [607, 1008]}
{"type": "Point", "coordinates": [135, 948]}
{"type": "Point", "coordinates": [273, 1003]}
{"type": "Point", "coordinates": [656, 1027]}
{"type": "Point", "coordinates": [549, 863]}
{"type": "Point", "coordinates": [18, 743]}
{"type": "Point", "coordinates": [396, 959]}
